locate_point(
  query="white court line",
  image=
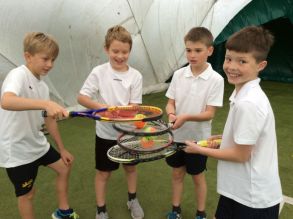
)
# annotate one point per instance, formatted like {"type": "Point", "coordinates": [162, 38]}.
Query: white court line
{"type": "Point", "coordinates": [287, 200]}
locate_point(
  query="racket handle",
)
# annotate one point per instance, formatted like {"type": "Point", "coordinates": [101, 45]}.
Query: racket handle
{"type": "Point", "coordinates": [44, 114]}
{"type": "Point", "coordinates": [204, 143]}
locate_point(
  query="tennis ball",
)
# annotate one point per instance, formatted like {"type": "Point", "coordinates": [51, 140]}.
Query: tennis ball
{"type": "Point", "coordinates": [139, 124]}
{"type": "Point", "coordinates": [150, 129]}
{"type": "Point", "coordinates": [147, 142]}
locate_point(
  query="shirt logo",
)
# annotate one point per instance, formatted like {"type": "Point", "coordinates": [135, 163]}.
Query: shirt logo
{"type": "Point", "coordinates": [30, 87]}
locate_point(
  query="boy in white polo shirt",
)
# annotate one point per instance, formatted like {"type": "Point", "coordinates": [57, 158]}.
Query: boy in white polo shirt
{"type": "Point", "coordinates": [114, 83]}
{"type": "Point", "coordinates": [195, 93]}
{"type": "Point", "coordinates": [23, 147]}
{"type": "Point", "coordinates": [248, 178]}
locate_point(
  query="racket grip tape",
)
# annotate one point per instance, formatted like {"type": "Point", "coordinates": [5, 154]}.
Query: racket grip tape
{"type": "Point", "coordinates": [204, 143]}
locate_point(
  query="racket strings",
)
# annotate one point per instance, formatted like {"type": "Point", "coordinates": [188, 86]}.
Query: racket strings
{"type": "Point", "coordinates": [130, 112]}
{"type": "Point", "coordinates": [145, 144]}
{"type": "Point", "coordinates": [118, 154]}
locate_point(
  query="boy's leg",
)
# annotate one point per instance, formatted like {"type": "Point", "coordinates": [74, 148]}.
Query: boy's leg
{"type": "Point", "coordinates": [63, 172]}
{"type": "Point", "coordinates": [25, 205]}
{"type": "Point", "coordinates": [104, 167]}
{"type": "Point", "coordinates": [200, 190]}
{"type": "Point", "coordinates": [177, 184]}
{"type": "Point", "coordinates": [195, 166]}
{"type": "Point", "coordinates": [23, 178]}
{"type": "Point", "coordinates": [177, 162]}
{"type": "Point", "coordinates": [131, 176]}
{"type": "Point", "coordinates": [101, 180]}
{"type": "Point", "coordinates": [132, 203]}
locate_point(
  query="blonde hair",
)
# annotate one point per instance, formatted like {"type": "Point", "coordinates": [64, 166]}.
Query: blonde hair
{"type": "Point", "coordinates": [117, 33]}
{"type": "Point", "coordinates": [35, 42]}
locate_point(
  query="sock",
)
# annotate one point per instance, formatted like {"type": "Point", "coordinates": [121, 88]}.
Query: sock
{"type": "Point", "coordinates": [66, 212]}
{"type": "Point", "coordinates": [201, 213]}
{"type": "Point", "coordinates": [131, 196]}
{"type": "Point", "coordinates": [101, 209]}
{"type": "Point", "coordinates": [177, 209]}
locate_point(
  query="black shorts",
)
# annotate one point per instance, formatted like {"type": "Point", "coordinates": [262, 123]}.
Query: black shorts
{"type": "Point", "coordinates": [230, 209]}
{"type": "Point", "coordinates": [194, 163]}
{"type": "Point", "coordinates": [24, 176]}
{"type": "Point", "coordinates": [103, 163]}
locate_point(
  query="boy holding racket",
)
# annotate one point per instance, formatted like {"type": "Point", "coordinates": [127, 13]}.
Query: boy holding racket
{"type": "Point", "coordinates": [248, 179]}
{"type": "Point", "coordinates": [23, 147]}
{"type": "Point", "coordinates": [114, 83]}
{"type": "Point", "coordinates": [195, 93]}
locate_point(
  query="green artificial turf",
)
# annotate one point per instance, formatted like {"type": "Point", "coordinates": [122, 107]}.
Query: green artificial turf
{"type": "Point", "coordinates": [154, 181]}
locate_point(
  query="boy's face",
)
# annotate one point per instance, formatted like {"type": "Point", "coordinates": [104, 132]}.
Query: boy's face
{"type": "Point", "coordinates": [39, 64]}
{"type": "Point", "coordinates": [197, 54]}
{"type": "Point", "coordinates": [241, 68]}
{"type": "Point", "coordinates": [118, 54]}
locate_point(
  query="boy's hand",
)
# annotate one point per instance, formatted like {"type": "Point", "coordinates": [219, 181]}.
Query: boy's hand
{"type": "Point", "coordinates": [212, 143]}
{"type": "Point", "coordinates": [66, 157]}
{"type": "Point", "coordinates": [55, 111]}
{"type": "Point", "coordinates": [192, 147]}
{"type": "Point", "coordinates": [178, 122]}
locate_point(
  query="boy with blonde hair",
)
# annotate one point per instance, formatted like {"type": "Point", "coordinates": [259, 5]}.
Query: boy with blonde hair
{"type": "Point", "coordinates": [248, 179]}
{"type": "Point", "coordinates": [113, 83]}
{"type": "Point", "coordinates": [195, 93]}
{"type": "Point", "coordinates": [23, 147]}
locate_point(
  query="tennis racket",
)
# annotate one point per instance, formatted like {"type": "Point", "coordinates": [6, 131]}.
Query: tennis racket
{"type": "Point", "coordinates": [145, 144]}
{"type": "Point", "coordinates": [120, 155]}
{"type": "Point", "coordinates": [119, 113]}
{"type": "Point", "coordinates": [150, 128]}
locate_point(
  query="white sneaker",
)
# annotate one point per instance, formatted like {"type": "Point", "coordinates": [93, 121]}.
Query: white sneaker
{"type": "Point", "coordinates": [135, 209]}
{"type": "Point", "coordinates": [102, 215]}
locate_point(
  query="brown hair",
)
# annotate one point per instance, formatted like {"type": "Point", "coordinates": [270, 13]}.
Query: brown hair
{"type": "Point", "coordinates": [252, 39]}
{"type": "Point", "coordinates": [199, 34]}
{"type": "Point", "coordinates": [117, 33]}
{"type": "Point", "coordinates": [35, 42]}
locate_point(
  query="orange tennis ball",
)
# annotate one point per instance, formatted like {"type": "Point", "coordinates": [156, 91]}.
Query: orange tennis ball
{"type": "Point", "coordinates": [147, 142]}
{"type": "Point", "coordinates": [139, 124]}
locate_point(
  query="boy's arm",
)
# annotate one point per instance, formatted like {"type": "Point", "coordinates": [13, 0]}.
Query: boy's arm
{"type": "Point", "coordinates": [10, 101]}
{"type": "Point", "coordinates": [171, 110]}
{"type": "Point", "coordinates": [89, 103]}
{"type": "Point", "coordinates": [52, 128]}
{"type": "Point", "coordinates": [207, 115]}
{"type": "Point", "coordinates": [236, 153]}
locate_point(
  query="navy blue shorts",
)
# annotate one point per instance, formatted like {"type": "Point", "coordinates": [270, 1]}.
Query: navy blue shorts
{"type": "Point", "coordinates": [103, 163]}
{"type": "Point", "coordinates": [24, 176]}
{"type": "Point", "coordinates": [230, 209]}
{"type": "Point", "coordinates": [194, 163]}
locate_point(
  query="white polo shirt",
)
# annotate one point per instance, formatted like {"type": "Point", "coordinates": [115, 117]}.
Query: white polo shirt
{"type": "Point", "coordinates": [255, 183]}
{"type": "Point", "coordinates": [112, 88]}
{"type": "Point", "coordinates": [21, 140]}
{"type": "Point", "coordinates": [192, 95]}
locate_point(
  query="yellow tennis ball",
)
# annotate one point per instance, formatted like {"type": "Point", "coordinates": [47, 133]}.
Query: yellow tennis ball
{"type": "Point", "coordinates": [139, 124]}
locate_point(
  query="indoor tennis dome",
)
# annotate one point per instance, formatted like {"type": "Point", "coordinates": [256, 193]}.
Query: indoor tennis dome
{"type": "Point", "coordinates": [157, 28]}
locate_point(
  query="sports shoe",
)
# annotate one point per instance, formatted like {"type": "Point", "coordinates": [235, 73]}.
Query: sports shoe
{"type": "Point", "coordinates": [200, 217]}
{"type": "Point", "coordinates": [135, 209]}
{"type": "Point", "coordinates": [102, 215]}
{"type": "Point", "coordinates": [173, 215]}
{"type": "Point", "coordinates": [58, 215]}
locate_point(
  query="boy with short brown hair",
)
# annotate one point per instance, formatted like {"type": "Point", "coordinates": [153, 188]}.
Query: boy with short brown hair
{"type": "Point", "coordinates": [195, 93]}
{"type": "Point", "coordinates": [248, 179]}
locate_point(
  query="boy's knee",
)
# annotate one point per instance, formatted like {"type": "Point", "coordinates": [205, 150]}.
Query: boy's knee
{"type": "Point", "coordinates": [28, 196]}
